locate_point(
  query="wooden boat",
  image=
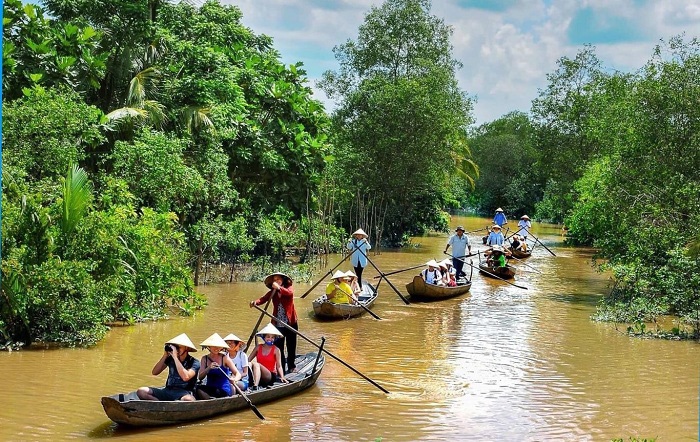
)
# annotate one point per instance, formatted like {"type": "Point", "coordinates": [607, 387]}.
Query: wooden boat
{"type": "Point", "coordinates": [328, 310]}
{"type": "Point", "coordinates": [507, 272]}
{"type": "Point", "coordinates": [517, 253]}
{"type": "Point", "coordinates": [128, 409]}
{"type": "Point", "coordinates": [420, 291]}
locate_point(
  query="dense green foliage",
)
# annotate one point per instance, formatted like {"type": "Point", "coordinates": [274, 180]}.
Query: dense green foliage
{"type": "Point", "coordinates": [145, 139]}
{"type": "Point", "coordinates": [195, 144]}
{"type": "Point", "coordinates": [615, 156]}
{"type": "Point", "coordinates": [400, 126]}
{"type": "Point", "coordinates": [504, 151]}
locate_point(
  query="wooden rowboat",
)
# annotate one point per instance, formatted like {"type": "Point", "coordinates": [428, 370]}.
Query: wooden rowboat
{"type": "Point", "coordinates": [520, 254]}
{"type": "Point", "coordinates": [328, 310]}
{"type": "Point", "coordinates": [507, 272]}
{"type": "Point", "coordinates": [128, 409]}
{"type": "Point", "coordinates": [420, 291]}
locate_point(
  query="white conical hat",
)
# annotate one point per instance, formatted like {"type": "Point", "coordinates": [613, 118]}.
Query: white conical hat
{"type": "Point", "coordinates": [499, 210]}
{"type": "Point", "coordinates": [214, 340]}
{"type": "Point", "coordinates": [525, 217]}
{"type": "Point", "coordinates": [350, 273]}
{"type": "Point", "coordinates": [447, 262]}
{"type": "Point", "coordinates": [495, 226]}
{"type": "Point", "coordinates": [360, 232]}
{"type": "Point", "coordinates": [269, 329]}
{"type": "Point", "coordinates": [232, 337]}
{"type": "Point", "coordinates": [338, 275]}
{"type": "Point", "coordinates": [183, 340]}
{"type": "Point", "coordinates": [432, 263]}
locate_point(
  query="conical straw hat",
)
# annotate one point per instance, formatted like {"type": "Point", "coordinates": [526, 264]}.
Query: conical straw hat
{"type": "Point", "coordinates": [350, 273]}
{"type": "Point", "coordinates": [432, 263]}
{"type": "Point", "coordinates": [496, 226]}
{"type": "Point", "coordinates": [268, 278]}
{"type": "Point", "coordinates": [232, 337]}
{"type": "Point", "coordinates": [182, 340]}
{"type": "Point", "coordinates": [214, 341]}
{"type": "Point", "coordinates": [360, 232]}
{"type": "Point", "coordinates": [269, 329]}
{"type": "Point", "coordinates": [338, 275]}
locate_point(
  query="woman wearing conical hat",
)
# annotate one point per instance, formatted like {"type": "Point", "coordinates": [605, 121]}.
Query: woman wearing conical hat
{"type": "Point", "coordinates": [495, 237]}
{"type": "Point", "coordinates": [282, 294]}
{"type": "Point", "coordinates": [218, 368]}
{"type": "Point", "coordinates": [500, 218]}
{"type": "Point", "coordinates": [432, 274]}
{"type": "Point", "coordinates": [351, 279]}
{"type": "Point", "coordinates": [525, 226]}
{"type": "Point", "coordinates": [359, 246]}
{"type": "Point", "coordinates": [338, 291]}
{"type": "Point", "coordinates": [182, 372]}
{"type": "Point", "coordinates": [266, 359]}
{"type": "Point", "coordinates": [236, 349]}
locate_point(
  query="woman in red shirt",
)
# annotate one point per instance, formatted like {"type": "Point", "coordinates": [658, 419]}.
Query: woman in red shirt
{"type": "Point", "coordinates": [282, 294]}
{"type": "Point", "coordinates": [266, 359]}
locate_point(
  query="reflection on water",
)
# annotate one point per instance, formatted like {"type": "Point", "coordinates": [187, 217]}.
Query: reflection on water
{"type": "Point", "coordinates": [501, 363]}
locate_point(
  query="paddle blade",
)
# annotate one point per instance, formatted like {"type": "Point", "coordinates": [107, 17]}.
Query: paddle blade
{"type": "Point", "coordinates": [257, 412]}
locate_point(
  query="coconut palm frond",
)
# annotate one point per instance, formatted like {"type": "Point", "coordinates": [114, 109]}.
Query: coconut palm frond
{"type": "Point", "coordinates": [124, 113]}
{"type": "Point", "coordinates": [155, 112]}
{"type": "Point", "coordinates": [196, 118]}
{"type": "Point", "coordinates": [142, 86]}
{"type": "Point", "coordinates": [77, 194]}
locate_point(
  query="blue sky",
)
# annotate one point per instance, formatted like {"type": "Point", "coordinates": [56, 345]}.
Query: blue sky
{"type": "Point", "coordinates": [506, 46]}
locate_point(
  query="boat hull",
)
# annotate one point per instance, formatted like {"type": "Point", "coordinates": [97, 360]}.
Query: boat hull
{"type": "Point", "coordinates": [328, 310]}
{"type": "Point", "coordinates": [507, 272]}
{"type": "Point", "coordinates": [128, 409]}
{"type": "Point", "coordinates": [420, 291]}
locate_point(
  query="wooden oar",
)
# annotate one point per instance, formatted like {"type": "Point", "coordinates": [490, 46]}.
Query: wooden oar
{"type": "Point", "coordinates": [360, 304]}
{"type": "Point", "coordinates": [325, 351]}
{"type": "Point", "coordinates": [399, 271]}
{"type": "Point", "coordinates": [257, 324]}
{"type": "Point", "coordinates": [324, 277]}
{"type": "Point", "coordinates": [538, 240]}
{"type": "Point", "coordinates": [247, 399]}
{"type": "Point", "coordinates": [383, 276]}
{"type": "Point", "coordinates": [492, 274]}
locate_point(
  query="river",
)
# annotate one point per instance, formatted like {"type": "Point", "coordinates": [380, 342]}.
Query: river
{"type": "Point", "coordinates": [500, 363]}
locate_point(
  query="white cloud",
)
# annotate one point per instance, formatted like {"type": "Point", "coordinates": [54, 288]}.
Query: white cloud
{"type": "Point", "coordinates": [506, 54]}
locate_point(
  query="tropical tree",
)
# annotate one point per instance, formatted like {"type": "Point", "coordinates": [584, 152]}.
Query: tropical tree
{"type": "Point", "coordinates": [401, 120]}
{"type": "Point", "coordinates": [46, 52]}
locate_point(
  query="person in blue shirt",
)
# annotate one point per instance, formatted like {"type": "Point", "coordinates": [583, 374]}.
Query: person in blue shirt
{"type": "Point", "coordinates": [359, 247]}
{"type": "Point", "coordinates": [460, 243]}
{"type": "Point", "coordinates": [500, 218]}
{"type": "Point", "coordinates": [525, 226]}
{"type": "Point", "coordinates": [495, 237]}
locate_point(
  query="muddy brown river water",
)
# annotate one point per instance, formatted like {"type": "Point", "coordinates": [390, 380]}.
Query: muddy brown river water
{"type": "Point", "coordinates": [500, 363]}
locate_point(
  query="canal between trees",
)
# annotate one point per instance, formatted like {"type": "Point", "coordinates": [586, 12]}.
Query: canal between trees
{"type": "Point", "coordinates": [500, 363]}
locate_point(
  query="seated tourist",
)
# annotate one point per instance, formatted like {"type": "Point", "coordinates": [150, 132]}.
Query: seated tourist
{"type": "Point", "coordinates": [236, 350]}
{"type": "Point", "coordinates": [218, 369]}
{"type": "Point", "coordinates": [432, 274]}
{"type": "Point", "coordinates": [338, 291]}
{"type": "Point", "coordinates": [182, 372]}
{"type": "Point", "coordinates": [266, 359]}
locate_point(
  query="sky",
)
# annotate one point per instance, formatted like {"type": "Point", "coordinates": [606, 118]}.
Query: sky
{"type": "Point", "coordinates": [507, 47]}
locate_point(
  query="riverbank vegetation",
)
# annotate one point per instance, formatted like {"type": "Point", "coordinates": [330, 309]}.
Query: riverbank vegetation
{"type": "Point", "coordinates": [145, 140]}
{"type": "Point", "coordinates": [615, 157]}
